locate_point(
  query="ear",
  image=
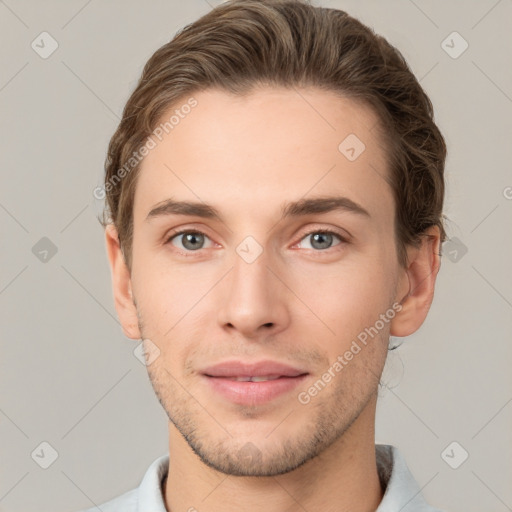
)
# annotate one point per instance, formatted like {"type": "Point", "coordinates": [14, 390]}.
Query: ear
{"type": "Point", "coordinates": [121, 285]}
{"type": "Point", "coordinates": [419, 279]}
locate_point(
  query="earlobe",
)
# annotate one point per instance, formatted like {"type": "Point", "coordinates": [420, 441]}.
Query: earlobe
{"type": "Point", "coordinates": [423, 265]}
{"type": "Point", "coordinates": [121, 285]}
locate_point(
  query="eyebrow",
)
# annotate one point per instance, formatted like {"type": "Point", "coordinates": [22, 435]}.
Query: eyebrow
{"type": "Point", "coordinates": [298, 208]}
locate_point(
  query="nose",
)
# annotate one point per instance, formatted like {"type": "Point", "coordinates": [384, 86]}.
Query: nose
{"type": "Point", "coordinates": [253, 299]}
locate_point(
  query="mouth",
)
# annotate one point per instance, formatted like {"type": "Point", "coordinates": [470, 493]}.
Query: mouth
{"type": "Point", "coordinates": [252, 383]}
{"type": "Point", "coordinates": [249, 378]}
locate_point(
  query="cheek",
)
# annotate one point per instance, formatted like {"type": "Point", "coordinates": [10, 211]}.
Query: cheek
{"type": "Point", "coordinates": [168, 302]}
{"type": "Point", "coordinates": [347, 301]}
{"type": "Point", "coordinates": [166, 291]}
{"type": "Point", "coordinates": [349, 292]}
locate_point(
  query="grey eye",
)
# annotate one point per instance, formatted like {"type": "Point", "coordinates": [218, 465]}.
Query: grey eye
{"type": "Point", "coordinates": [321, 240]}
{"type": "Point", "coordinates": [190, 240]}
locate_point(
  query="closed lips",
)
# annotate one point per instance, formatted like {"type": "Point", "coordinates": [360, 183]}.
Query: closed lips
{"type": "Point", "coordinates": [252, 383]}
{"type": "Point", "coordinates": [252, 372]}
{"type": "Point", "coordinates": [254, 378]}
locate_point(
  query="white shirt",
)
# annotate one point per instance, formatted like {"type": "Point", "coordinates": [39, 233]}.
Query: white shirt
{"type": "Point", "coordinates": [402, 493]}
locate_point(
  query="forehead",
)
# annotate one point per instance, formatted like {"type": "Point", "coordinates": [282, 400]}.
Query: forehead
{"type": "Point", "coordinates": [249, 153]}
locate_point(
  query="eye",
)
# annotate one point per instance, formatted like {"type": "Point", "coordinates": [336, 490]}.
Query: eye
{"type": "Point", "coordinates": [191, 240]}
{"type": "Point", "coordinates": [194, 240]}
{"type": "Point", "coordinates": [322, 239]}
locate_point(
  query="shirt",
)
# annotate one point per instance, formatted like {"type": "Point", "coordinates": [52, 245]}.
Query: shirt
{"type": "Point", "coordinates": [402, 493]}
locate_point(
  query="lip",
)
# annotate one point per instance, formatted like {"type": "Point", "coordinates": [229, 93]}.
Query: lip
{"type": "Point", "coordinates": [220, 379]}
{"type": "Point", "coordinates": [237, 368]}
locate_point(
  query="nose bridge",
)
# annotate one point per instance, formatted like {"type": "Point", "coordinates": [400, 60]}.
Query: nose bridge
{"type": "Point", "coordinates": [250, 277]}
{"type": "Point", "coordinates": [253, 297]}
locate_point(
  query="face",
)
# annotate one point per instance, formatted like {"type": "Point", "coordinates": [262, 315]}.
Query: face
{"type": "Point", "coordinates": [266, 281]}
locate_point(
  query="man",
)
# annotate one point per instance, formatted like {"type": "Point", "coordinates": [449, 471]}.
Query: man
{"type": "Point", "coordinates": [274, 214]}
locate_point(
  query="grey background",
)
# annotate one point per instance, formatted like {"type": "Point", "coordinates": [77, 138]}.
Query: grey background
{"type": "Point", "coordinates": [68, 375]}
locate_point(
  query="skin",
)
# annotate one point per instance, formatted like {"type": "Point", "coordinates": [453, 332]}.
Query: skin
{"type": "Point", "coordinates": [296, 303]}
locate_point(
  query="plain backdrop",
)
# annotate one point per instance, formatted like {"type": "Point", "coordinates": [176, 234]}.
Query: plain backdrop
{"type": "Point", "coordinates": [69, 378]}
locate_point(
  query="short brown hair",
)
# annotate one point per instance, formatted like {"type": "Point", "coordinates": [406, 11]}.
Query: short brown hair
{"type": "Point", "coordinates": [245, 43]}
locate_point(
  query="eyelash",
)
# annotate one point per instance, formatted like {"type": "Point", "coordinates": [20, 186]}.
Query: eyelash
{"type": "Point", "coordinates": [174, 234]}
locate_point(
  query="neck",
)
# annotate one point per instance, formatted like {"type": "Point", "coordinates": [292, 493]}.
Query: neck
{"type": "Point", "coordinates": [343, 477]}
